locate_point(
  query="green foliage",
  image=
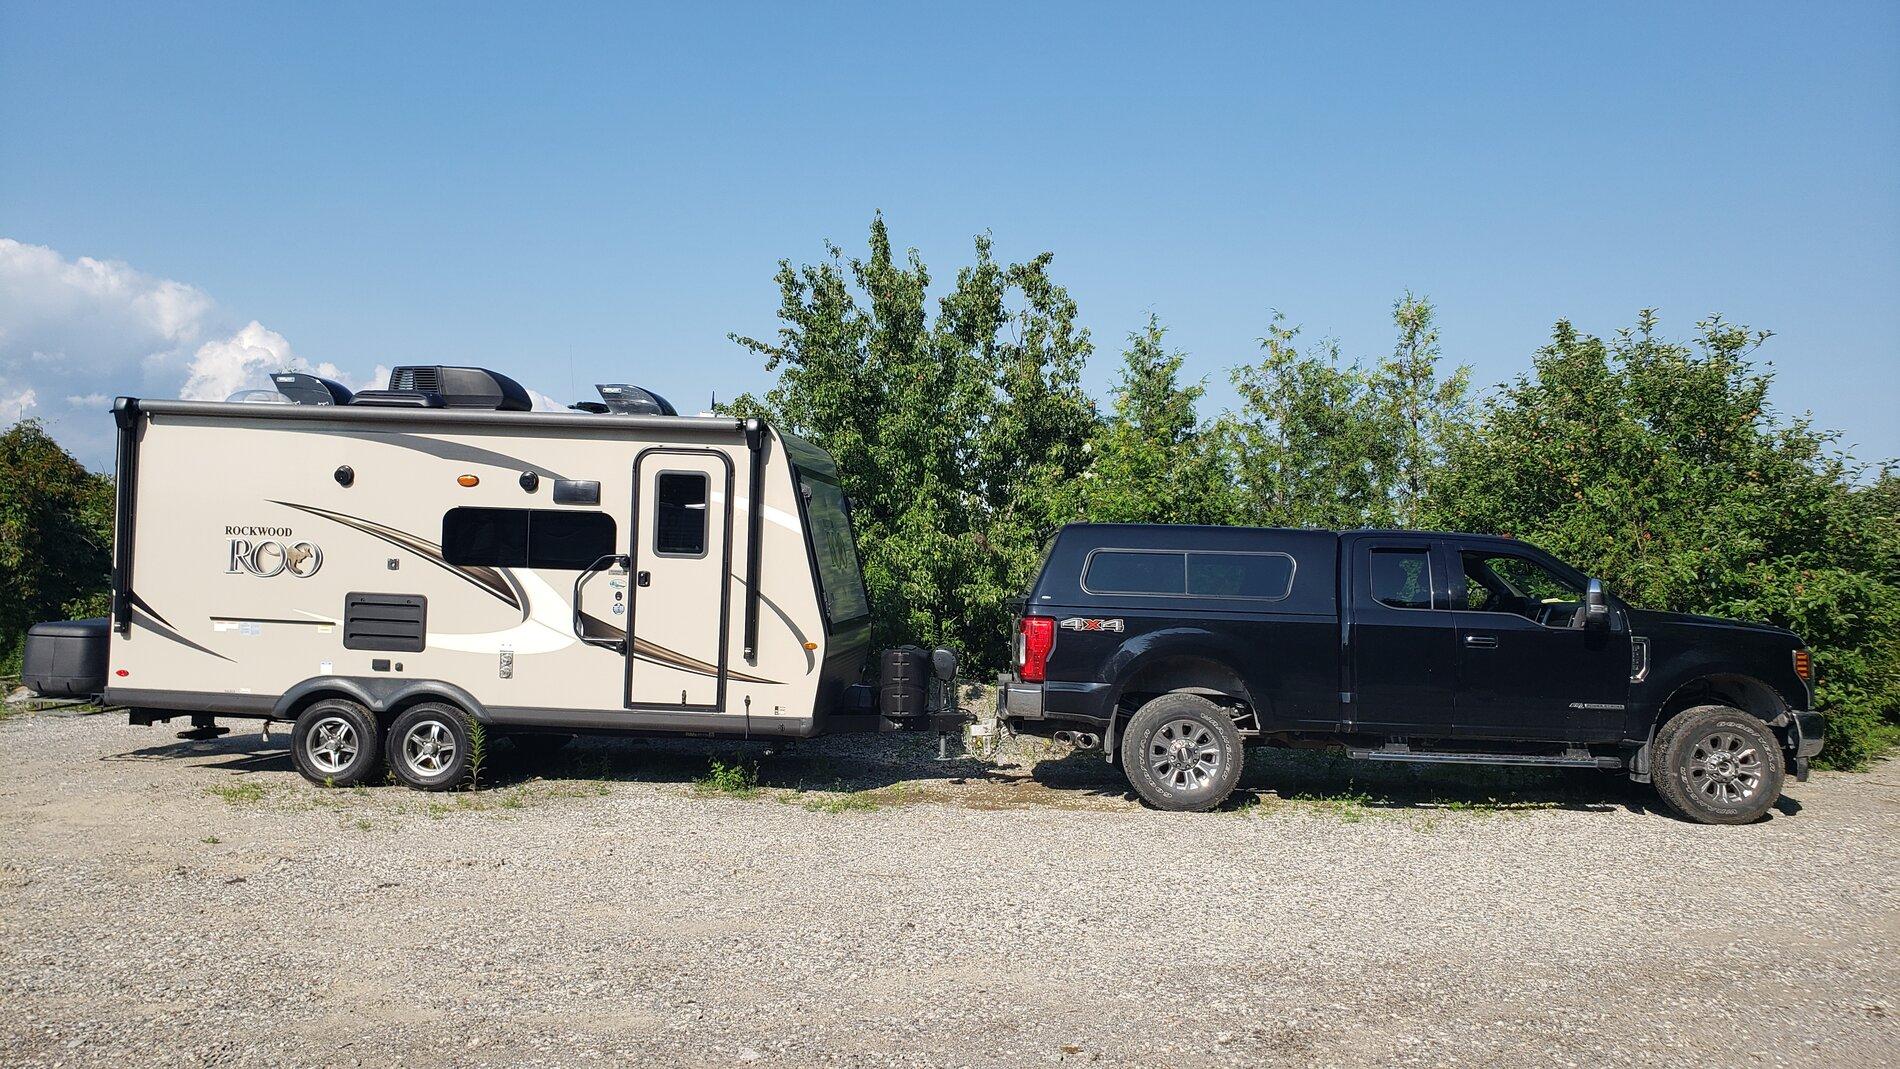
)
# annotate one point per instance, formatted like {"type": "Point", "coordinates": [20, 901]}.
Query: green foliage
{"type": "Point", "coordinates": [959, 439]}
{"type": "Point", "coordinates": [733, 780]}
{"type": "Point", "coordinates": [1322, 443]}
{"type": "Point", "coordinates": [55, 536]}
{"type": "Point", "coordinates": [1152, 459]}
{"type": "Point", "coordinates": [1659, 467]}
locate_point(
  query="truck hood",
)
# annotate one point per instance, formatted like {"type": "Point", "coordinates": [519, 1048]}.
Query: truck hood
{"type": "Point", "coordinates": [1651, 618]}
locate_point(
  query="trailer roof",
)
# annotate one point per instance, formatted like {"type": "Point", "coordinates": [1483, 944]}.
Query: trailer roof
{"type": "Point", "coordinates": [490, 420]}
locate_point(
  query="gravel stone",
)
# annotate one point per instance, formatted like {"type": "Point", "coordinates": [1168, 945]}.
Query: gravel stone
{"type": "Point", "coordinates": [196, 903]}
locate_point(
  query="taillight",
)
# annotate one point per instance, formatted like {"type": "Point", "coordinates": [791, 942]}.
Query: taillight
{"type": "Point", "coordinates": [1804, 666]}
{"type": "Point", "coordinates": [1038, 640]}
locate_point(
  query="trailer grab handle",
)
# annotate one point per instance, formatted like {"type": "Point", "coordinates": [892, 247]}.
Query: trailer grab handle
{"type": "Point", "coordinates": [601, 564]}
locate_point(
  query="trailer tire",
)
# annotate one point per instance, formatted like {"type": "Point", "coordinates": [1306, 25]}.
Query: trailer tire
{"type": "Point", "coordinates": [1182, 753]}
{"type": "Point", "coordinates": [430, 748]}
{"type": "Point", "coordinates": [336, 743]}
{"type": "Point", "coordinates": [1714, 764]}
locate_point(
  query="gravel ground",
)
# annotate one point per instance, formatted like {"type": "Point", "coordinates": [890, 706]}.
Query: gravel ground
{"type": "Point", "coordinates": [164, 902]}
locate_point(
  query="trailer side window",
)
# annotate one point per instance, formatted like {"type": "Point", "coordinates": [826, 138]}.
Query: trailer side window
{"type": "Point", "coordinates": [526, 538]}
{"type": "Point", "coordinates": [679, 518]}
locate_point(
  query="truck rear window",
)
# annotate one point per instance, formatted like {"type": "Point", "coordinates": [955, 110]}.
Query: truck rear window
{"type": "Point", "coordinates": [1166, 573]}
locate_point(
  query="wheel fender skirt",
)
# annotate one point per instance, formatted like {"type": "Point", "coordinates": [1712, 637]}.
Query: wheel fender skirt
{"type": "Point", "coordinates": [379, 695]}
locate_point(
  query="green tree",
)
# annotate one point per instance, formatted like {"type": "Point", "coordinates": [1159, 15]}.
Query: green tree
{"type": "Point", "coordinates": [1660, 467]}
{"type": "Point", "coordinates": [959, 439]}
{"type": "Point", "coordinates": [1419, 410]}
{"type": "Point", "coordinates": [1308, 444]}
{"type": "Point", "coordinates": [55, 536]}
{"type": "Point", "coordinates": [1152, 460]}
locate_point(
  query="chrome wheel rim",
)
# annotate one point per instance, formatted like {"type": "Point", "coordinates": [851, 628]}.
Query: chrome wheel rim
{"type": "Point", "coordinates": [1725, 767]}
{"type": "Point", "coordinates": [429, 748]}
{"type": "Point", "coordinates": [331, 745]}
{"type": "Point", "coordinates": [1184, 755]}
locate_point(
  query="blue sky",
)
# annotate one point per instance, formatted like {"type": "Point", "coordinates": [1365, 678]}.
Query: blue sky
{"type": "Point", "coordinates": [577, 194]}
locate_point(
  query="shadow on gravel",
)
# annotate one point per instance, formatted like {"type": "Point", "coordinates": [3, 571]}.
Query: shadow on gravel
{"type": "Point", "coordinates": [858, 763]}
{"type": "Point", "coordinates": [841, 763]}
{"type": "Point", "coordinates": [1330, 778]}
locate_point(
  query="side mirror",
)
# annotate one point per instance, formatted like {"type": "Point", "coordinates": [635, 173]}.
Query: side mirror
{"type": "Point", "coordinates": [943, 665]}
{"type": "Point", "coordinates": [1596, 605]}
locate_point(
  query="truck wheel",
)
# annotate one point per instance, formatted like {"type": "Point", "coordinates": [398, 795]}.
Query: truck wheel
{"type": "Point", "coordinates": [429, 747]}
{"type": "Point", "coordinates": [335, 743]}
{"type": "Point", "coordinates": [1182, 753]}
{"type": "Point", "coordinates": [1717, 765]}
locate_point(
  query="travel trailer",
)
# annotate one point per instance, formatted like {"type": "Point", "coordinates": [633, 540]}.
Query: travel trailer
{"type": "Point", "coordinates": [382, 568]}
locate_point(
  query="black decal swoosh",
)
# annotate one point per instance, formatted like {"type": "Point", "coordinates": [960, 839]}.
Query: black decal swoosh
{"type": "Point", "coordinates": [654, 653]}
{"type": "Point", "coordinates": [143, 616]}
{"type": "Point", "coordinates": [468, 454]}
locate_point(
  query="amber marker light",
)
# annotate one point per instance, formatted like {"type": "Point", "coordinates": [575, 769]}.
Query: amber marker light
{"type": "Point", "coordinates": [1804, 665]}
{"type": "Point", "coordinates": [469, 480]}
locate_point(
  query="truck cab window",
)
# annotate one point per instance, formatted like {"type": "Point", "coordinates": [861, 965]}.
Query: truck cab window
{"type": "Point", "coordinates": [1502, 582]}
{"type": "Point", "coordinates": [679, 517]}
{"type": "Point", "coordinates": [1402, 578]}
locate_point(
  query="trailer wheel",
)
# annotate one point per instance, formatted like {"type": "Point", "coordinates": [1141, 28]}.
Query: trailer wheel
{"type": "Point", "coordinates": [429, 747]}
{"type": "Point", "coordinates": [1182, 752]}
{"type": "Point", "coordinates": [335, 743]}
{"type": "Point", "coordinates": [1717, 765]}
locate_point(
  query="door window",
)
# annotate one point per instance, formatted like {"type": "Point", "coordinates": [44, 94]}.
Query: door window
{"type": "Point", "coordinates": [1507, 583]}
{"type": "Point", "coordinates": [1402, 578]}
{"type": "Point", "coordinates": [679, 518]}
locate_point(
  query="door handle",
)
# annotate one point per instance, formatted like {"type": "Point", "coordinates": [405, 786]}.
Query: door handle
{"type": "Point", "coordinates": [611, 560]}
{"type": "Point", "coordinates": [1482, 642]}
{"type": "Point", "coordinates": [644, 579]}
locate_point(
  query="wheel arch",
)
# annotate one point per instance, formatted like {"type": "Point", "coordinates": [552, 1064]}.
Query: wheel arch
{"type": "Point", "coordinates": [1735, 689]}
{"type": "Point", "coordinates": [386, 698]}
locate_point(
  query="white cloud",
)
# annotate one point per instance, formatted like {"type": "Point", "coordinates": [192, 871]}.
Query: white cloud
{"type": "Point", "coordinates": [76, 333]}
{"type": "Point", "coordinates": [13, 408]}
{"type": "Point", "coordinates": [246, 359]}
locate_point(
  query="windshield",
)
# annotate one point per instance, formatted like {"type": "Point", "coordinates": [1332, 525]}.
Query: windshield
{"type": "Point", "coordinates": [839, 582]}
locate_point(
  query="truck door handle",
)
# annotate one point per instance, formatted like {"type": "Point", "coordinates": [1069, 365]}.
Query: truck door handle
{"type": "Point", "coordinates": [1482, 642]}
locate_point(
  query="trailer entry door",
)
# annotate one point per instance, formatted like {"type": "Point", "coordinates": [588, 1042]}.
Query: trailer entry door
{"type": "Point", "coordinates": [680, 596]}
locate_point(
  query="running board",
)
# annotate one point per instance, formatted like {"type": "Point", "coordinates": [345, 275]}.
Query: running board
{"type": "Point", "coordinates": [1568, 759]}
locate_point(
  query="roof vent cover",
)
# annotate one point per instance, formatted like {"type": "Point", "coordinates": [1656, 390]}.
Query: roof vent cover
{"type": "Point", "coordinates": [453, 387]}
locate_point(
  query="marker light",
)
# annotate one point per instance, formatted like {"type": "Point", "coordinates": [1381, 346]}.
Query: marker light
{"type": "Point", "coordinates": [468, 480]}
{"type": "Point", "coordinates": [1804, 665]}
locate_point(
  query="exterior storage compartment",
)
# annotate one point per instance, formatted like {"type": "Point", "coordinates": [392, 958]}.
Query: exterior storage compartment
{"type": "Point", "coordinates": [66, 658]}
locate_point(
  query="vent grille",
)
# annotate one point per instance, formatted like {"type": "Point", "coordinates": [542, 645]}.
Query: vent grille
{"type": "Point", "coordinates": [419, 379]}
{"type": "Point", "coordinates": [396, 622]}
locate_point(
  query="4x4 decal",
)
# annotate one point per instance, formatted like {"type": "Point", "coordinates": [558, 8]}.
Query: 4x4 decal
{"type": "Point", "coordinates": [1084, 623]}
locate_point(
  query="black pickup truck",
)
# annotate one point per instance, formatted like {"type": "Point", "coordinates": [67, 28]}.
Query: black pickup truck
{"type": "Point", "coordinates": [1174, 647]}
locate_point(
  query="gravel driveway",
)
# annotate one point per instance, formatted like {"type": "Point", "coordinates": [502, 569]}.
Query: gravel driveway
{"type": "Point", "coordinates": [168, 903]}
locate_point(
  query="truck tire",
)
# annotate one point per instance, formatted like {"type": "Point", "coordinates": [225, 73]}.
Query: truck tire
{"type": "Point", "coordinates": [336, 743]}
{"type": "Point", "coordinates": [430, 748]}
{"type": "Point", "coordinates": [1714, 764]}
{"type": "Point", "coordinates": [1182, 753]}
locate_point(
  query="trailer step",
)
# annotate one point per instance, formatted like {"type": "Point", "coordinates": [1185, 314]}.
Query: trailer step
{"type": "Point", "coordinates": [1568, 759]}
